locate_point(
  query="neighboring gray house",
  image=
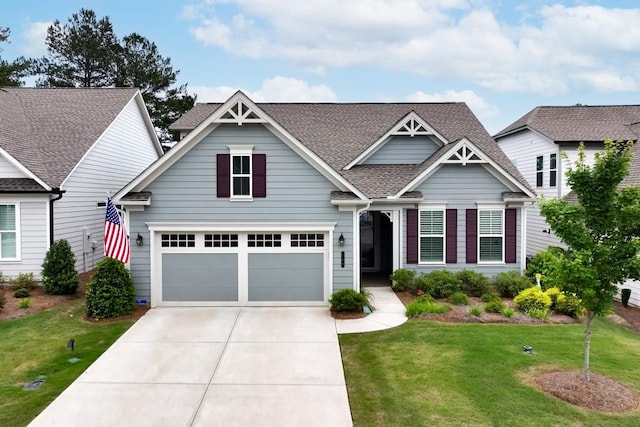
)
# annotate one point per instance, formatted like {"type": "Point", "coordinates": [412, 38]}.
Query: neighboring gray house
{"type": "Point", "coordinates": [274, 204]}
{"type": "Point", "coordinates": [535, 144]}
{"type": "Point", "coordinates": [61, 151]}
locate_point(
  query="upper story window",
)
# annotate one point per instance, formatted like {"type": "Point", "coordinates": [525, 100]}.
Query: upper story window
{"type": "Point", "coordinates": [539, 171]}
{"type": "Point", "coordinates": [241, 171]}
{"type": "Point", "coordinates": [431, 236]}
{"type": "Point", "coordinates": [491, 235]}
{"type": "Point", "coordinates": [8, 231]}
{"type": "Point", "coordinates": [553, 170]}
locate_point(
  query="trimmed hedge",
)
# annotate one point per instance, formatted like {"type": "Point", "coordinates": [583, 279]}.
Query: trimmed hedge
{"type": "Point", "coordinates": [59, 275]}
{"type": "Point", "coordinates": [347, 300]}
{"type": "Point", "coordinates": [110, 290]}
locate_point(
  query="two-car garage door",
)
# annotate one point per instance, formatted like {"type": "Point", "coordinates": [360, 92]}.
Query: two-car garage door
{"type": "Point", "coordinates": [243, 267]}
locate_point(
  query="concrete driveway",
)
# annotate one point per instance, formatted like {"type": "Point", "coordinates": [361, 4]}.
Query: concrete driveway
{"type": "Point", "coordinates": [201, 366]}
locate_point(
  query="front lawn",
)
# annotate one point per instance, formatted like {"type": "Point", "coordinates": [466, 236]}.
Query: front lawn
{"type": "Point", "coordinates": [425, 373]}
{"type": "Point", "coordinates": [36, 346]}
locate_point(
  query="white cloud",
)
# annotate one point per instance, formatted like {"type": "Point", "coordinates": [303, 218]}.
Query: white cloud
{"type": "Point", "coordinates": [34, 36]}
{"type": "Point", "coordinates": [546, 50]}
{"type": "Point", "coordinates": [477, 104]}
{"type": "Point", "coordinates": [277, 89]}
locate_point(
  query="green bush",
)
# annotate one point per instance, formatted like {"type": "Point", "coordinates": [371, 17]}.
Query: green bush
{"type": "Point", "coordinates": [570, 305]}
{"type": "Point", "coordinates": [110, 290]}
{"type": "Point", "coordinates": [23, 280]}
{"type": "Point", "coordinates": [476, 311]}
{"type": "Point", "coordinates": [425, 306]}
{"type": "Point", "coordinates": [21, 293]}
{"type": "Point", "coordinates": [347, 300]}
{"type": "Point", "coordinates": [458, 298]}
{"type": "Point", "coordinates": [24, 303]}
{"type": "Point", "coordinates": [510, 283]}
{"type": "Point", "coordinates": [508, 312]}
{"type": "Point", "coordinates": [538, 313]}
{"type": "Point", "coordinates": [438, 283]}
{"type": "Point", "coordinates": [473, 283]}
{"type": "Point", "coordinates": [402, 279]}
{"type": "Point", "coordinates": [59, 275]}
{"type": "Point", "coordinates": [542, 263]}
{"type": "Point", "coordinates": [532, 298]}
{"type": "Point", "coordinates": [553, 293]}
{"type": "Point", "coordinates": [494, 306]}
{"type": "Point", "coordinates": [3, 298]}
{"type": "Point", "coordinates": [490, 296]}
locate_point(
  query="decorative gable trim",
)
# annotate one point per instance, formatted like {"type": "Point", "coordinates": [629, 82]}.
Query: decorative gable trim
{"type": "Point", "coordinates": [246, 113]}
{"type": "Point", "coordinates": [411, 125]}
{"type": "Point", "coordinates": [466, 151]}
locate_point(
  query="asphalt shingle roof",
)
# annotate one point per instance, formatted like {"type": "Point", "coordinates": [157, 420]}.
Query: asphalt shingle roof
{"type": "Point", "coordinates": [339, 133]}
{"type": "Point", "coordinates": [49, 130]}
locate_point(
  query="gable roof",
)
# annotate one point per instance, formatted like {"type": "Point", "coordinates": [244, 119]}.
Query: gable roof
{"type": "Point", "coordinates": [48, 131]}
{"type": "Point", "coordinates": [340, 132]}
{"type": "Point", "coordinates": [580, 123]}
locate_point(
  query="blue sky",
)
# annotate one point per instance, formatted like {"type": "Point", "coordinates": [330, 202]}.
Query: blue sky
{"type": "Point", "coordinates": [502, 57]}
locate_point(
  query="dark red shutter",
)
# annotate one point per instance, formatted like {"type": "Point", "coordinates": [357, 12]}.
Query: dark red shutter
{"type": "Point", "coordinates": [472, 236]}
{"type": "Point", "coordinates": [223, 175]}
{"type": "Point", "coordinates": [412, 236]}
{"type": "Point", "coordinates": [510, 237]}
{"type": "Point", "coordinates": [452, 236]}
{"type": "Point", "coordinates": [259, 175]}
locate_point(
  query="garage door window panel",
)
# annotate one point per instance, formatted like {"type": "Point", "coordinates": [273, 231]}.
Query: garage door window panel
{"type": "Point", "coordinates": [178, 240]}
{"type": "Point", "coordinates": [266, 240]}
{"type": "Point", "coordinates": [220, 240]}
{"type": "Point", "coordinates": [307, 240]}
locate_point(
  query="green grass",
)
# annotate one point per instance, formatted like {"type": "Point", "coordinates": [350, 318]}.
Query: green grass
{"type": "Point", "coordinates": [35, 345]}
{"type": "Point", "coordinates": [426, 373]}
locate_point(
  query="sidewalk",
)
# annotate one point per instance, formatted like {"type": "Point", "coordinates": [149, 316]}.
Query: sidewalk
{"type": "Point", "coordinates": [388, 312]}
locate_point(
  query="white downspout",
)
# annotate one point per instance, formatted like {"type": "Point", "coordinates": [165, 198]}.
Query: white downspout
{"type": "Point", "coordinates": [523, 238]}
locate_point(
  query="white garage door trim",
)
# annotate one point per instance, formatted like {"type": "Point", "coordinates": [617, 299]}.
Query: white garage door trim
{"type": "Point", "coordinates": [158, 228]}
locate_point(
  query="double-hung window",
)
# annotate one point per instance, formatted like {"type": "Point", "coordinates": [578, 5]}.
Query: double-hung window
{"type": "Point", "coordinates": [241, 171]}
{"type": "Point", "coordinates": [553, 170]}
{"type": "Point", "coordinates": [491, 235]}
{"type": "Point", "coordinates": [539, 171]}
{"type": "Point", "coordinates": [8, 231]}
{"type": "Point", "coordinates": [432, 233]}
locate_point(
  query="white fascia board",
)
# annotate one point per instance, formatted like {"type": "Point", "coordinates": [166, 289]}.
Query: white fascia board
{"type": "Point", "coordinates": [384, 139]}
{"type": "Point", "coordinates": [148, 123]}
{"type": "Point", "coordinates": [499, 173]}
{"type": "Point", "coordinates": [241, 226]}
{"type": "Point", "coordinates": [23, 169]}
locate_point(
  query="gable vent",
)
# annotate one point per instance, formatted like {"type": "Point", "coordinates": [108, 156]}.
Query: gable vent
{"type": "Point", "coordinates": [240, 113]}
{"type": "Point", "coordinates": [412, 127]}
{"type": "Point", "coordinates": [464, 155]}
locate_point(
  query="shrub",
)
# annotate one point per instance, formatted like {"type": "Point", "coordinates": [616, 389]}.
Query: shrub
{"type": "Point", "coordinates": [23, 280]}
{"type": "Point", "coordinates": [476, 311]}
{"type": "Point", "coordinates": [459, 298]}
{"type": "Point", "coordinates": [438, 283]}
{"type": "Point", "coordinates": [473, 283]}
{"type": "Point", "coordinates": [402, 279]}
{"type": "Point", "coordinates": [494, 306]}
{"type": "Point", "coordinates": [508, 312]}
{"type": "Point", "coordinates": [347, 300]}
{"type": "Point", "coordinates": [490, 296]}
{"type": "Point", "coordinates": [3, 298]}
{"type": "Point", "coordinates": [24, 303]}
{"type": "Point", "coordinates": [110, 290]}
{"type": "Point", "coordinates": [570, 305]}
{"type": "Point", "coordinates": [542, 263]}
{"type": "Point", "coordinates": [21, 293]}
{"type": "Point", "coordinates": [59, 275]}
{"type": "Point", "coordinates": [425, 306]}
{"type": "Point", "coordinates": [538, 313]}
{"type": "Point", "coordinates": [510, 283]}
{"type": "Point", "coordinates": [532, 298]}
{"type": "Point", "coordinates": [553, 293]}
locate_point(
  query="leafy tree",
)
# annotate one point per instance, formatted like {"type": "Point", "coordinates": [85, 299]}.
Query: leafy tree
{"type": "Point", "coordinates": [602, 232]}
{"type": "Point", "coordinates": [85, 52]}
{"type": "Point", "coordinates": [12, 72]}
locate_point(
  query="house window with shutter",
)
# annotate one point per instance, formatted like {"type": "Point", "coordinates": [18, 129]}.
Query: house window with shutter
{"type": "Point", "coordinates": [432, 236]}
{"type": "Point", "coordinates": [241, 174]}
{"type": "Point", "coordinates": [539, 171]}
{"type": "Point", "coordinates": [553, 170]}
{"type": "Point", "coordinates": [491, 235]}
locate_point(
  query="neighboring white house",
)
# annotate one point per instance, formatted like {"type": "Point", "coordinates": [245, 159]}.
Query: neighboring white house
{"type": "Point", "coordinates": [535, 143]}
{"type": "Point", "coordinates": [61, 151]}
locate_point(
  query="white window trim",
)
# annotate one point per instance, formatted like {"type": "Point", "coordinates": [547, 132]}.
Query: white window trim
{"type": "Point", "coordinates": [553, 170]}
{"type": "Point", "coordinates": [236, 151]}
{"type": "Point", "coordinates": [442, 209]}
{"type": "Point", "coordinates": [539, 171]}
{"type": "Point", "coordinates": [17, 231]}
{"type": "Point", "coordinates": [501, 235]}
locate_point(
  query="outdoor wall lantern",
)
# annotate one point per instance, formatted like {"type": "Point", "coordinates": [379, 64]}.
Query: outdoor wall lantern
{"type": "Point", "coordinates": [139, 240]}
{"type": "Point", "coordinates": [341, 240]}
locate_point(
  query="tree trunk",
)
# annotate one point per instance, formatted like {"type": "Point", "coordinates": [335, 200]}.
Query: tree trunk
{"type": "Point", "coordinates": [587, 347]}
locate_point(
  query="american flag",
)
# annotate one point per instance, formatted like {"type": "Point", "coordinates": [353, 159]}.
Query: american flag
{"type": "Point", "coordinates": [116, 241]}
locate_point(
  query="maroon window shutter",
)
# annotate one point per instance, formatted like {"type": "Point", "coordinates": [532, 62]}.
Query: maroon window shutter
{"type": "Point", "coordinates": [472, 236]}
{"type": "Point", "coordinates": [452, 236]}
{"type": "Point", "coordinates": [223, 175]}
{"type": "Point", "coordinates": [510, 236]}
{"type": "Point", "coordinates": [259, 175]}
{"type": "Point", "coordinates": [412, 236]}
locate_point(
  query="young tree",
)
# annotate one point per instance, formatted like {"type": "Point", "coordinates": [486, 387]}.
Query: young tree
{"type": "Point", "coordinates": [12, 72]}
{"type": "Point", "coordinates": [602, 232]}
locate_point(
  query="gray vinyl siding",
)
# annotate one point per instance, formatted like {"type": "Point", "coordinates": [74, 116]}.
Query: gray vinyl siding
{"type": "Point", "coordinates": [33, 235]}
{"type": "Point", "coordinates": [122, 152]}
{"type": "Point", "coordinates": [402, 150]}
{"type": "Point", "coordinates": [286, 277]}
{"type": "Point", "coordinates": [462, 187]}
{"type": "Point", "coordinates": [7, 170]}
{"type": "Point", "coordinates": [296, 192]}
{"type": "Point", "coordinates": [200, 277]}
